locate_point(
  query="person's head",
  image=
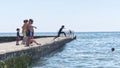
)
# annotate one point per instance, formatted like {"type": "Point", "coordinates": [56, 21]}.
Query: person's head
{"type": "Point", "coordinates": [31, 21]}
{"type": "Point", "coordinates": [112, 49]}
{"type": "Point", "coordinates": [63, 26]}
{"type": "Point", "coordinates": [25, 21]}
{"type": "Point", "coordinates": [18, 30]}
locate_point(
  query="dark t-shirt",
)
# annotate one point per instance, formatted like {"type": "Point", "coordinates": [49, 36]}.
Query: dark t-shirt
{"type": "Point", "coordinates": [60, 30]}
{"type": "Point", "coordinates": [18, 35]}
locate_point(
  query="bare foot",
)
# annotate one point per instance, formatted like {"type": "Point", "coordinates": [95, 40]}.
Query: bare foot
{"type": "Point", "coordinates": [38, 44]}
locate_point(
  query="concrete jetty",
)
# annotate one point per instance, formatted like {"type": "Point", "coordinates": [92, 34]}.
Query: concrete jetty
{"type": "Point", "coordinates": [11, 50]}
{"type": "Point", "coordinates": [13, 38]}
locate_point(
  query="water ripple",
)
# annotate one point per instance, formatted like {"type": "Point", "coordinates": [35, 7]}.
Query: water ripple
{"type": "Point", "coordinates": [90, 50]}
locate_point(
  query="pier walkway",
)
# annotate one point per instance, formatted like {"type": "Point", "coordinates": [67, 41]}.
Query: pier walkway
{"type": "Point", "coordinates": [12, 47]}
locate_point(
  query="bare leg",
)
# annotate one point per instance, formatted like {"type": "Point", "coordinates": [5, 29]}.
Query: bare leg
{"type": "Point", "coordinates": [28, 41]}
{"type": "Point", "coordinates": [24, 40]}
{"type": "Point", "coordinates": [64, 33]}
{"type": "Point", "coordinates": [32, 40]}
{"type": "Point", "coordinates": [57, 36]}
{"type": "Point", "coordinates": [17, 42]}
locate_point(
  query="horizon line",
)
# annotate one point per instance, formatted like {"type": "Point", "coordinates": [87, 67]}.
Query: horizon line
{"type": "Point", "coordinates": [74, 31]}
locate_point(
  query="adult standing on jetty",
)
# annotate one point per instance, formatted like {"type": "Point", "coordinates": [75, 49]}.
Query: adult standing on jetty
{"type": "Point", "coordinates": [30, 33]}
{"type": "Point", "coordinates": [24, 31]}
{"type": "Point", "coordinates": [61, 32]}
{"type": "Point", "coordinates": [32, 28]}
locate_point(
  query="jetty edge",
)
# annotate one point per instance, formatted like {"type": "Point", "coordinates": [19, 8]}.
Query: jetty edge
{"type": "Point", "coordinates": [21, 57]}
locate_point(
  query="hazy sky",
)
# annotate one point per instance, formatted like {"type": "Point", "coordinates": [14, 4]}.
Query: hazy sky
{"type": "Point", "coordinates": [49, 15]}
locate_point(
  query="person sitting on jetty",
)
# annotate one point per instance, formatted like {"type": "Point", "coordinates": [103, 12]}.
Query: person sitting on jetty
{"type": "Point", "coordinates": [18, 36]}
{"type": "Point", "coordinates": [61, 31]}
{"type": "Point", "coordinates": [24, 31]}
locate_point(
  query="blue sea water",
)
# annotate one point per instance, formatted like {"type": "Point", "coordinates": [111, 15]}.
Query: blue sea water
{"type": "Point", "coordinates": [89, 50]}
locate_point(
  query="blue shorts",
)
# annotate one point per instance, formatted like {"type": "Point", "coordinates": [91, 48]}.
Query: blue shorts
{"type": "Point", "coordinates": [31, 34]}
{"type": "Point", "coordinates": [28, 33]}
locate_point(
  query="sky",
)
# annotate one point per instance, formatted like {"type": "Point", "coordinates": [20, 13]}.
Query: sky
{"type": "Point", "coordinates": [49, 15]}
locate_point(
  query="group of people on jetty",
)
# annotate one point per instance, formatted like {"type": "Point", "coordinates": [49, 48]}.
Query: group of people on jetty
{"type": "Point", "coordinates": [28, 33]}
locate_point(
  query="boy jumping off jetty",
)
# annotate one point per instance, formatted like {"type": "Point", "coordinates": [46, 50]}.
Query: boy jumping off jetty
{"type": "Point", "coordinates": [60, 32]}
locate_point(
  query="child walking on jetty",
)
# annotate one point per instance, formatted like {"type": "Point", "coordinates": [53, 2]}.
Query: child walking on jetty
{"type": "Point", "coordinates": [18, 36]}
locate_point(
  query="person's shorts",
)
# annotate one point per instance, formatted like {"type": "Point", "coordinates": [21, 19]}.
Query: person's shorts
{"type": "Point", "coordinates": [24, 33]}
{"type": "Point", "coordinates": [31, 34]}
{"type": "Point", "coordinates": [28, 33]}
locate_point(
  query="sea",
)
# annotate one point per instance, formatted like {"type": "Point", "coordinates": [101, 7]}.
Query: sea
{"type": "Point", "coordinates": [88, 50]}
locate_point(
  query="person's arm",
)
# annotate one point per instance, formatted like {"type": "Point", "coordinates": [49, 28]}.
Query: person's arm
{"type": "Point", "coordinates": [35, 27]}
{"type": "Point", "coordinates": [23, 26]}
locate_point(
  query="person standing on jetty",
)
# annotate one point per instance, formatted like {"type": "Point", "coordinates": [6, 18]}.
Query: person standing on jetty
{"type": "Point", "coordinates": [24, 31]}
{"type": "Point", "coordinates": [30, 33]}
{"type": "Point", "coordinates": [18, 36]}
{"type": "Point", "coordinates": [61, 32]}
{"type": "Point", "coordinates": [32, 28]}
